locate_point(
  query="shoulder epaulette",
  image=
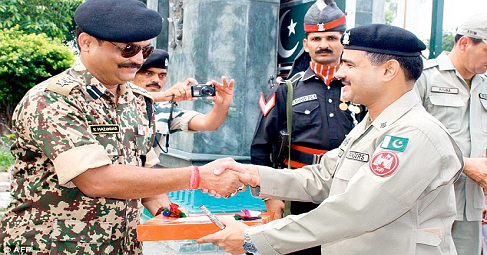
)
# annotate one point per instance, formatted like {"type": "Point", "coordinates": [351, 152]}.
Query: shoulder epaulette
{"type": "Point", "coordinates": [62, 84]}
{"type": "Point", "coordinates": [140, 91]}
{"type": "Point", "coordinates": [297, 77]}
{"type": "Point", "coordinates": [430, 63]}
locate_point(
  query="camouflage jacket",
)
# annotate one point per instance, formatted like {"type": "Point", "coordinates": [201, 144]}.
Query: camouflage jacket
{"type": "Point", "coordinates": [64, 126]}
{"type": "Point", "coordinates": [179, 122]}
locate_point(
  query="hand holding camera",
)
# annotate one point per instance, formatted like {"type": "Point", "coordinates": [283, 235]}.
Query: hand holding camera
{"type": "Point", "coordinates": [204, 90]}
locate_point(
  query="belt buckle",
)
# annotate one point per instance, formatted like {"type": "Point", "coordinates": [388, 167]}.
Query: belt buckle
{"type": "Point", "coordinates": [317, 158]}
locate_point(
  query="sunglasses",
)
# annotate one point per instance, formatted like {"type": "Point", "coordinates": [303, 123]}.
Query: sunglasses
{"type": "Point", "coordinates": [131, 50]}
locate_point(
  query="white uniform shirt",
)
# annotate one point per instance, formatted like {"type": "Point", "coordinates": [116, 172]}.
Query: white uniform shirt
{"type": "Point", "coordinates": [388, 189]}
{"type": "Point", "coordinates": [446, 95]}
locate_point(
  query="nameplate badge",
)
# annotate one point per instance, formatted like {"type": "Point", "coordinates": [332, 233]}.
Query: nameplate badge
{"type": "Point", "coordinates": [105, 129]}
{"type": "Point", "coordinates": [304, 99]}
{"type": "Point", "coordinates": [444, 90]}
{"type": "Point", "coordinates": [358, 156]}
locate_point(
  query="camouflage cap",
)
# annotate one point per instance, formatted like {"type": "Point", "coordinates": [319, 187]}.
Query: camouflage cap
{"type": "Point", "coordinates": [324, 15]}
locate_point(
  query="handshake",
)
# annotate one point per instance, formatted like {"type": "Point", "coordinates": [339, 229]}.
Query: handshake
{"type": "Point", "coordinates": [226, 177]}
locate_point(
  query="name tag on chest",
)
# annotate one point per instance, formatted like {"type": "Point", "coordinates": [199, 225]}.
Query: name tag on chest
{"type": "Point", "coordinates": [444, 90]}
{"type": "Point", "coordinates": [358, 156]}
{"type": "Point", "coordinates": [105, 129]}
{"type": "Point", "coordinates": [304, 99]}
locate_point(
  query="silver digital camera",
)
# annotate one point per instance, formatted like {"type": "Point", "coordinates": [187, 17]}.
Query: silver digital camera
{"type": "Point", "coordinates": [204, 90]}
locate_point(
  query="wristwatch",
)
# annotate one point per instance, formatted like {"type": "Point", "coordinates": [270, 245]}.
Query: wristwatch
{"type": "Point", "coordinates": [248, 244]}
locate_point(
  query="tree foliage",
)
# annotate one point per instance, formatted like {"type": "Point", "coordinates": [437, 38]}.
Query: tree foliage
{"type": "Point", "coordinates": [447, 41]}
{"type": "Point", "coordinates": [52, 17]}
{"type": "Point", "coordinates": [25, 60]}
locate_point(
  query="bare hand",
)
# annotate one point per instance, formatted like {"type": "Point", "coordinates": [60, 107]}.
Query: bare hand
{"type": "Point", "coordinates": [231, 238]}
{"type": "Point", "coordinates": [476, 168]}
{"type": "Point", "coordinates": [223, 184]}
{"type": "Point", "coordinates": [275, 206]}
{"type": "Point", "coordinates": [180, 91]}
{"type": "Point", "coordinates": [248, 174]}
{"type": "Point", "coordinates": [224, 92]}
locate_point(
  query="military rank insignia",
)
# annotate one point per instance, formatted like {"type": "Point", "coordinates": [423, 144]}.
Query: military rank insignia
{"type": "Point", "coordinates": [266, 107]}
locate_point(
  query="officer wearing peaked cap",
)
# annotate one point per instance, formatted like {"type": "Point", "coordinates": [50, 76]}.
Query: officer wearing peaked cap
{"type": "Point", "coordinates": [455, 83]}
{"type": "Point", "coordinates": [321, 16]}
{"type": "Point", "coordinates": [320, 121]}
{"type": "Point", "coordinates": [388, 188]}
{"type": "Point", "coordinates": [84, 140]}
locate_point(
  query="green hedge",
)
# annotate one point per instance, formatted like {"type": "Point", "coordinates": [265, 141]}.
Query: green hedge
{"type": "Point", "coordinates": [6, 157]}
{"type": "Point", "coordinates": [25, 60]}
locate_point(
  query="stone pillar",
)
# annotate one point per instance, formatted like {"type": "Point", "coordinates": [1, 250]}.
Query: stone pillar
{"type": "Point", "coordinates": [236, 39]}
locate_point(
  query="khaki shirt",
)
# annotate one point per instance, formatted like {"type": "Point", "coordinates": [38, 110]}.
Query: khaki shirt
{"type": "Point", "coordinates": [66, 125]}
{"type": "Point", "coordinates": [463, 111]}
{"type": "Point", "coordinates": [388, 189]}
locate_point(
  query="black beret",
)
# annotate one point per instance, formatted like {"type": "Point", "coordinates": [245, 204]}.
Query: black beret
{"type": "Point", "coordinates": [158, 58]}
{"type": "Point", "coordinates": [324, 15]}
{"type": "Point", "coordinates": [385, 39]}
{"type": "Point", "coordinates": [118, 20]}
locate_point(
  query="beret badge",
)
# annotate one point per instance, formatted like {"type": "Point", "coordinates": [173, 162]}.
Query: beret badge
{"type": "Point", "coordinates": [321, 27]}
{"type": "Point", "coordinates": [346, 38]}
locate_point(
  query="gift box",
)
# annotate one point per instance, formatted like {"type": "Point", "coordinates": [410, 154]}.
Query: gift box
{"type": "Point", "coordinates": [194, 226]}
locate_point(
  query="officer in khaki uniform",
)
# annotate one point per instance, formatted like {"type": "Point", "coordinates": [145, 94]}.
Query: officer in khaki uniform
{"type": "Point", "coordinates": [388, 188]}
{"type": "Point", "coordinates": [83, 139]}
{"type": "Point", "coordinates": [453, 88]}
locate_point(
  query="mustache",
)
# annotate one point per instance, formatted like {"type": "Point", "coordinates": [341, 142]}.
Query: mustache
{"type": "Point", "coordinates": [153, 84]}
{"type": "Point", "coordinates": [129, 65]}
{"type": "Point", "coordinates": [318, 51]}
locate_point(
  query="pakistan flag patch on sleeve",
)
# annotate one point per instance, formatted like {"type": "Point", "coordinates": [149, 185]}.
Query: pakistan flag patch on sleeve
{"type": "Point", "coordinates": [394, 143]}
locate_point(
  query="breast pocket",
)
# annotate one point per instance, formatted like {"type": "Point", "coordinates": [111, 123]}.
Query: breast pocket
{"type": "Point", "coordinates": [427, 243]}
{"type": "Point", "coordinates": [80, 237]}
{"type": "Point", "coordinates": [448, 109]}
{"type": "Point", "coordinates": [344, 172]}
{"type": "Point", "coordinates": [483, 114]}
{"type": "Point", "coordinates": [305, 114]}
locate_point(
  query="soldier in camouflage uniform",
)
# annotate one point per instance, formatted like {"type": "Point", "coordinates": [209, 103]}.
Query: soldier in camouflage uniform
{"type": "Point", "coordinates": [83, 138]}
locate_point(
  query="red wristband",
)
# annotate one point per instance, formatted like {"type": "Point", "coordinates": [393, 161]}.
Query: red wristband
{"type": "Point", "coordinates": [194, 180]}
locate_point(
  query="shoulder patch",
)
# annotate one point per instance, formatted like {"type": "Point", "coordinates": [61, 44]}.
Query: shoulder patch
{"type": "Point", "coordinates": [140, 91]}
{"type": "Point", "coordinates": [430, 63]}
{"type": "Point", "coordinates": [384, 163]}
{"type": "Point", "coordinates": [395, 143]}
{"type": "Point", "coordinates": [62, 84]}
